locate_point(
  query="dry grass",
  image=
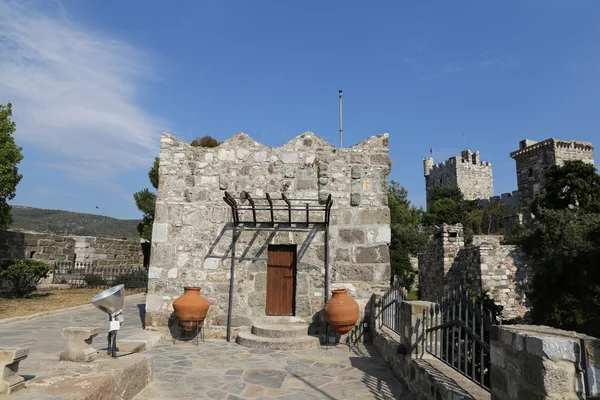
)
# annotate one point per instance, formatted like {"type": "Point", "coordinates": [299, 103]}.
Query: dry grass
{"type": "Point", "coordinates": [38, 302]}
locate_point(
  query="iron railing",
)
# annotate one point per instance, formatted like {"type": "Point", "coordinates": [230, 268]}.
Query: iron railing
{"type": "Point", "coordinates": [391, 310]}
{"type": "Point", "coordinates": [457, 332]}
{"type": "Point", "coordinates": [80, 274]}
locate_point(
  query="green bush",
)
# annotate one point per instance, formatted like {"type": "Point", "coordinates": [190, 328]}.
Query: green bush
{"type": "Point", "coordinates": [23, 275]}
{"type": "Point", "coordinates": [134, 279]}
{"type": "Point", "coordinates": [94, 281]}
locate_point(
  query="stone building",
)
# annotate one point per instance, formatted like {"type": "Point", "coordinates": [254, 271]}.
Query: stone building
{"type": "Point", "coordinates": [193, 233]}
{"type": "Point", "coordinates": [467, 172]}
{"type": "Point", "coordinates": [502, 270]}
{"type": "Point", "coordinates": [534, 158]}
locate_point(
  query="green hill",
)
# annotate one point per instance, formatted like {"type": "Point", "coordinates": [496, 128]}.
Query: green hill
{"type": "Point", "coordinates": [71, 223]}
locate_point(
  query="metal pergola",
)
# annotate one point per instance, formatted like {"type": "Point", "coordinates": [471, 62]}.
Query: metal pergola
{"type": "Point", "coordinates": [246, 204]}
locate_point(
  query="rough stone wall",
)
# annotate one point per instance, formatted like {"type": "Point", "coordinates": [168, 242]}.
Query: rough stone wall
{"type": "Point", "coordinates": [539, 362]}
{"type": "Point", "coordinates": [192, 232]}
{"type": "Point", "coordinates": [467, 172]}
{"type": "Point", "coordinates": [533, 160]}
{"type": "Point", "coordinates": [502, 270]}
{"type": "Point", "coordinates": [437, 259]}
{"type": "Point", "coordinates": [49, 248]}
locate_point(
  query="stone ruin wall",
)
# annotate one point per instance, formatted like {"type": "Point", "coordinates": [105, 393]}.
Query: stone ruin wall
{"type": "Point", "coordinates": [502, 270]}
{"type": "Point", "coordinates": [192, 231]}
{"type": "Point", "coordinates": [49, 248]}
{"type": "Point", "coordinates": [467, 172]}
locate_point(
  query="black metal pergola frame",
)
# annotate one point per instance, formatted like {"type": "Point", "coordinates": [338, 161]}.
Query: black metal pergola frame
{"type": "Point", "coordinates": [245, 202]}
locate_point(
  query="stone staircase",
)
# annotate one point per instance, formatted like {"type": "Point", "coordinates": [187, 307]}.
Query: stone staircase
{"type": "Point", "coordinates": [278, 337]}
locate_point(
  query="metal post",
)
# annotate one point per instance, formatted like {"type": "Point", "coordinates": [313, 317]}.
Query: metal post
{"type": "Point", "coordinates": [340, 118]}
{"type": "Point", "coordinates": [326, 263]}
{"type": "Point", "coordinates": [231, 280]}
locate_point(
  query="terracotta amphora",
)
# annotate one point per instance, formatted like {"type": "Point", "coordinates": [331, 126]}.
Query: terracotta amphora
{"type": "Point", "coordinates": [190, 306]}
{"type": "Point", "coordinates": [341, 311]}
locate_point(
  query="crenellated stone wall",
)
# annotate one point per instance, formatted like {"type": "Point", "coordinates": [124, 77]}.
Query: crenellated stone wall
{"type": "Point", "coordinates": [533, 159]}
{"type": "Point", "coordinates": [192, 233]}
{"type": "Point", "coordinates": [106, 252]}
{"type": "Point", "coordinates": [502, 270]}
{"type": "Point", "coordinates": [471, 175]}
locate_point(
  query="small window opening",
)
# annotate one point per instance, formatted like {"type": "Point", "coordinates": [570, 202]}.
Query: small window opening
{"type": "Point", "coordinates": [31, 254]}
{"type": "Point", "coordinates": [530, 172]}
{"type": "Point", "coordinates": [453, 234]}
{"type": "Point", "coordinates": [440, 181]}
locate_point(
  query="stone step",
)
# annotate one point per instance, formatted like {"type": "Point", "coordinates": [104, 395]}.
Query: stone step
{"type": "Point", "coordinates": [280, 330]}
{"type": "Point", "coordinates": [269, 343]}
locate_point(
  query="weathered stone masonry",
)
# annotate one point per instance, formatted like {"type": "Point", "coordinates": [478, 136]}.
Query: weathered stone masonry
{"type": "Point", "coordinates": [533, 159]}
{"type": "Point", "coordinates": [502, 270]}
{"type": "Point", "coordinates": [104, 252]}
{"type": "Point", "coordinates": [467, 172]}
{"type": "Point", "coordinates": [192, 227]}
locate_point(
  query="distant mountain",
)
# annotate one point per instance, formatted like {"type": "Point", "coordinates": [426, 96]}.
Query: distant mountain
{"type": "Point", "coordinates": [72, 223]}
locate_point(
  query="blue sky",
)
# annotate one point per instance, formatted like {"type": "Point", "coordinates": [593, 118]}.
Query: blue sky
{"type": "Point", "coordinates": [93, 84]}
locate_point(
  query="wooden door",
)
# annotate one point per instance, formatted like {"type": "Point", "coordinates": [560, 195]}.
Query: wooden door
{"type": "Point", "coordinates": [281, 280]}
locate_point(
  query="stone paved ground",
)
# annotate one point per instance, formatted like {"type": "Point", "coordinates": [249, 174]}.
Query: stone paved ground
{"type": "Point", "coordinates": [219, 370]}
{"type": "Point", "coordinates": [43, 335]}
{"type": "Point", "coordinates": [216, 369]}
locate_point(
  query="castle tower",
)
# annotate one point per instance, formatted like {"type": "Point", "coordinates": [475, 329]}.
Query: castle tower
{"type": "Point", "coordinates": [533, 159]}
{"type": "Point", "coordinates": [467, 172]}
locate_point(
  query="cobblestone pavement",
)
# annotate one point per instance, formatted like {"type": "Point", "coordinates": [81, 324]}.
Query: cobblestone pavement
{"type": "Point", "coordinates": [219, 370]}
{"type": "Point", "coordinates": [215, 369]}
{"type": "Point", "coordinates": [43, 335]}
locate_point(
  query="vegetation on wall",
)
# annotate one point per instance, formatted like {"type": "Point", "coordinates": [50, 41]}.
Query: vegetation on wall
{"type": "Point", "coordinates": [10, 157]}
{"type": "Point", "coordinates": [205, 141]}
{"type": "Point", "coordinates": [145, 200]}
{"type": "Point", "coordinates": [408, 237]}
{"type": "Point", "coordinates": [565, 248]}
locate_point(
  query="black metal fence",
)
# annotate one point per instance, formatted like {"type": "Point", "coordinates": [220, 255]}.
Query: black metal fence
{"type": "Point", "coordinates": [457, 332]}
{"type": "Point", "coordinates": [391, 311]}
{"type": "Point", "coordinates": [80, 274]}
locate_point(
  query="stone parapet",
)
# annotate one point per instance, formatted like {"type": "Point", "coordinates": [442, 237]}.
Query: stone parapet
{"type": "Point", "coordinates": [531, 362]}
{"type": "Point", "coordinates": [79, 344]}
{"type": "Point", "coordinates": [10, 358]}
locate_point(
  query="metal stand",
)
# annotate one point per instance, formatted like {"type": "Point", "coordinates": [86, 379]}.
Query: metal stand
{"type": "Point", "coordinates": [112, 344]}
{"type": "Point", "coordinates": [327, 345]}
{"type": "Point", "coordinates": [194, 335]}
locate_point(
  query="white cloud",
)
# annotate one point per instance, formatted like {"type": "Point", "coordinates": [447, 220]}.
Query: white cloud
{"type": "Point", "coordinates": [74, 94]}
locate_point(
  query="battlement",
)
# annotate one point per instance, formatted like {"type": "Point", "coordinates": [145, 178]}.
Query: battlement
{"type": "Point", "coordinates": [507, 199]}
{"type": "Point", "coordinates": [528, 146]}
{"type": "Point", "coordinates": [452, 162]}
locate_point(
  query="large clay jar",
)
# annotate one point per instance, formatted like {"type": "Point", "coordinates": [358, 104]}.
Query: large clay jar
{"type": "Point", "coordinates": [190, 306]}
{"type": "Point", "coordinates": [341, 311]}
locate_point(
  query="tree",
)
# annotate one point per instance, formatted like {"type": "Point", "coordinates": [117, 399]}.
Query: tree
{"type": "Point", "coordinates": [574, 185]}
{"type": "Point", "coordinates": [145, 200]}
{"type": "Point", "coordinates": [10, 157]}
{"type": "Point", "coordinates": [408, 238]}
{"type": "Point", "coordinates": [565, 249]}
{"type": "Point", "coordinates": [205, 141]}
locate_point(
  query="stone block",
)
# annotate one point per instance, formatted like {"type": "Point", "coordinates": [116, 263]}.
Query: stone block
{"type": "Point", "coordinates": [367, 255]}
{"type": "Point", "coordinates": [10, 358]}
{"type": "Point", "coordinates": [351, 235]}
{"type": "Point", "coordinates": [159, 232]}
{"type": "Point", "coordinates": [355, 199]}
{"type": "Point", "coordinates": [354, 272]}
{"type": "Point", "coordinates": [79, 344]}
{"type": "Point", "coordinates": [289, 158]}
{"type": "Point", "coordinates": [306, 184]}
{"type": "Point", "coordinates": [379, 216]}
